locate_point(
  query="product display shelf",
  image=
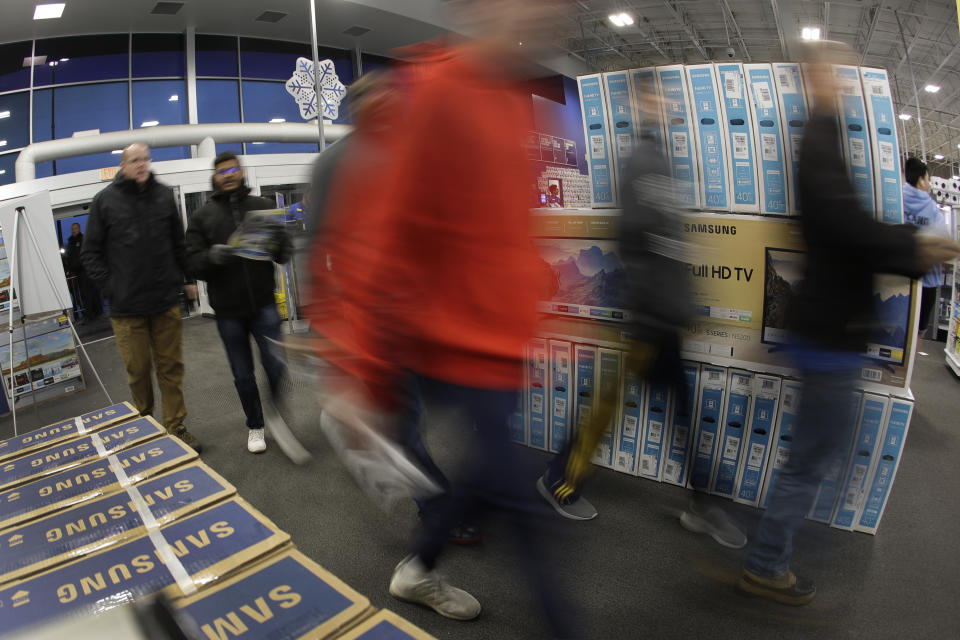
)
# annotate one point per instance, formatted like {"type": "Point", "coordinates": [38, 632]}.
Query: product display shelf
{"type": "Point", "coordinates": [952, 349]}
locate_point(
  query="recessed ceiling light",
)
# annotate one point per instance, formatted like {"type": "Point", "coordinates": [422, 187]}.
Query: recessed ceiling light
{"type": "Point", "coordinates": [620, 19]}
{"type": "Point", "coordinates": [277, 120]}
{"type": "Point", "coordinates": [905, 116]}
{"type": "Point", "coordinates": [3, 143]}
{"type": "Point", "coordinates": [256, 143]}
{"type": "Point", "coordinates": [64, 59]}
{"type": "Point", "coordinates": [938, 156]}
{"type": "Point", "coordinates": [173, 98]}
{"type": "Point", "coordinates": [150, 123]}
{"type": "Point", "coordinates": [4, 114]}
{"type": "Point", "coordinates": [810, 33]}
{"type": "Point", "coordinates": [48, 11]}
{"type": "Point", "coordinates": [117, 152]}
{"type": "Point", "coordinates": [932, 88]}
{"type": "Point", "coordinates": [2, 171]}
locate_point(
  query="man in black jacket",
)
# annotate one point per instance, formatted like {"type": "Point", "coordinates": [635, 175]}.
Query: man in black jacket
{"type": "Point", "coordinates": [133, 250]}
{"type": "Point", "coordinates": [240, 289]}
{"type": "Point", "coordinates": [89, 296]}
{"type": "Point", "coordinates": [833, 317]}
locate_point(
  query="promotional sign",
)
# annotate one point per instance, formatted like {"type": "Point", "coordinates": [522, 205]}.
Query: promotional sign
{"type": "Point", "coordinates": [621, 118]}
{"type": "Point", "coordinates": [710, 403]}
{"type": "Point", "coordinates": [856, 140]}
{"type": "Point", "coordinates": [386, 625]}
{"type": "Point", "coordinates": [560, 383]}
{"type": "Point", "coordinates": [793, 115]}
{"type": "Point", "coordinates": [593, 106]}
{"type": "Point", "coordinates": [587, 272]}
{"type": "Point", "coordinates": [711, 137]}
{"type": "Point", "coordinates": [734, 426]}
{"type": "Point", "coordinates": [741, 141]}
{"type": "Point", "coordinates": [631, 426]}
{"type": "Point", "coordinates": [90, 481]}
{"type": "Point", "coordinates": [677, 463]}
{"type": "Point", "coordinates": [769, 135]}
{"type": "Point", "coordinates": [862, 460]}
{"type": "Point", "coordinates": [679, 133]}
{"type": "Point", "coordinates": [77, 451]}
{"type": "Point", "coordinates": [209, 544]}
{"type": "Point", "coordinates": [537, 392]}
{"type": "Point", "coordinates": [888, 461]}
{"type": "Point", "coordinates": [98, 524]}
{"type": "Point", "coordinates": [782, 436]}
{"type": "Point", "coordinates": [44, 355]}
{"type": "Point", "coordinates": [65, 429]}
{"type": "Point", "coordinates": [285, 597]}
{"type": "Point", "coordinates": [584, 385]}
{"type": "Point", "coordinates": [760, 430]}
{"type": "Point", "coordinates": [608, 386]}
{"type": "Point", "coordinates": [654, 430]}
{"type": "Point", "coordinates": [832, 484]}
{"type": "Point", "coordinates": [646, 100]}
{"type": "Point", "coordinates": [883, 144]}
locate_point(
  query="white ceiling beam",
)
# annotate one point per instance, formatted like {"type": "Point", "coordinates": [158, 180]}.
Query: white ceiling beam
{"type": "Point", "coordinates": [680, 16]}
{"type": "Point", "coordinates": [873, 29]}
{"type": "Point", "coordinates": [736, 30]}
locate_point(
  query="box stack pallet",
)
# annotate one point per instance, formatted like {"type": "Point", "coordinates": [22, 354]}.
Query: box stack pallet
{"type": "Point", "coordinates": [103, 508]}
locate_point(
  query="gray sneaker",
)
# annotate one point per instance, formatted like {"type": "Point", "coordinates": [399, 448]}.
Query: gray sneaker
{"type": "Point", "coordinates": [716, 524]}
{"type": "Point", "coordinates": [412, 582]}
{"type": "Point", "coordinates": [580, 509]}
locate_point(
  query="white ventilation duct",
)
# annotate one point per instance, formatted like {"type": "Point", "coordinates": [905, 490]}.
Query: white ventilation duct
{"type": "Point", "coordinates": [171, 136]}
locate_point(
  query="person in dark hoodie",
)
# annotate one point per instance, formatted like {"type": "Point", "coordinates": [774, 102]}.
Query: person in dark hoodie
{"type": "Point", "coordinates": [240, 289]}
{"type": "Point", "coordinates": [133, 251]}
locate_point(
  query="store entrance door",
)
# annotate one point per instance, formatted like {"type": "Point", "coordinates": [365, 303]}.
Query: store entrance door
{"type": "Point", "coordinates": [293, 199]}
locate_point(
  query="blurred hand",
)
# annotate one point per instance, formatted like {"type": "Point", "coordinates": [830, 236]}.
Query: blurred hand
{"type": "Point", "coordinates": [222, 254]}
{"type": "Point", "coordinates": [191, 291]}
{"type": "Point", "coordinates": [933, 250]}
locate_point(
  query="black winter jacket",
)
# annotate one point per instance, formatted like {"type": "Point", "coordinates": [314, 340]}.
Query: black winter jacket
{"type": "Point", "coordinates": [241, 287]}
{"type": "Point", "coordinates": [846, 246]}
{"type": "Point", "coordinates": [133, 247]}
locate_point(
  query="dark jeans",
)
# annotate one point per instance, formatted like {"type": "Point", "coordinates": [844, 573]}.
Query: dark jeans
{"type": "Point", "coordinates": [408, 419]}
{"type": "Point", "coordinates": [824, 427]}
{"type": "Point", "coordinates": [235, 333]}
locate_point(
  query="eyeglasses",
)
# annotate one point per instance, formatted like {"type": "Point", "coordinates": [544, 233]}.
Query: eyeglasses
{"type": "Point", "coordinates": [226, 172]}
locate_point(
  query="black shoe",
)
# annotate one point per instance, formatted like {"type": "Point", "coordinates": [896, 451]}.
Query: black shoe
{"type": "Point", "coordinates": [464, 534]}
{"type": "Point", "coordinates": [786, 589]}
{"type": "Point", "coordinates": [187, 437]}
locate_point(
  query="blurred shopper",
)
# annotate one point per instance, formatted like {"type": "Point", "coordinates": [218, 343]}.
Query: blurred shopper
{"type": "Point", "coordinates": [443, 286]}
{"type": "Point", "coordinates": [833, 319]}
{"type": "Point", "coordinates": [241, 290]}
{"type": "Point", "coordinates": [133, 250]}
{"type": "Point", "coordinates": [89, 296]}
{"type": "Point", "coordinates": [658, 296]}
{"type": "Point", "coordinates": [921, 210]}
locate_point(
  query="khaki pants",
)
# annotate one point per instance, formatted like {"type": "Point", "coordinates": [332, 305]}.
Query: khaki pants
{"type": "Point", "coordinates": [148, 341]}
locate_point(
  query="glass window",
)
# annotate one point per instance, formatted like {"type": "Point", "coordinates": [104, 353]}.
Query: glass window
{"type": "Point", "coordinates": [216, 56]}
{"type": "Point", "coordinates": [153, 101]}
{"type": "Point", "coordinates": [271, 58]}
{"type": "Point", "coordinates": [158, 55]}
{"type": "Point", "coordinates": [7, 162]}
{"type": "Point", "coordinates": [82, 59]}
{"type": "Point", "coordinates": [265, 101]}
{"type": "Point", "coordinates": [13, 75]}
{"type": "Point", "coordinates": [219, 101]}
{"type": "Point", "coordinates": [14, 120]}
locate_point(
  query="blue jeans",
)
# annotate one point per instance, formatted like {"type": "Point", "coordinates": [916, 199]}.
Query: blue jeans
{"type": "Point", "coordinates": [235, 333]}
{"type": "Point", "coordinates": [824, 424]}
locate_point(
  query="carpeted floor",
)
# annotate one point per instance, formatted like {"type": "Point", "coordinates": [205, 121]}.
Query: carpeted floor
{"type": "Point", "coordinates": [631, 573]}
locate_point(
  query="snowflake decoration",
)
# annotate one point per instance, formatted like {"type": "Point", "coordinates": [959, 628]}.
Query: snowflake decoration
{"type": "Point", "coordinates": [301, 87]}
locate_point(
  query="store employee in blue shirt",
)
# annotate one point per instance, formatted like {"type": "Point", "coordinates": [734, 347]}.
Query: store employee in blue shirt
{"type": "Point", "coordinates": [920, 210]}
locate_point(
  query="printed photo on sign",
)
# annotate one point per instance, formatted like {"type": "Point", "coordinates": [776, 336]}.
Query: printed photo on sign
{"type": "Point", "coordinates": [589, 276]}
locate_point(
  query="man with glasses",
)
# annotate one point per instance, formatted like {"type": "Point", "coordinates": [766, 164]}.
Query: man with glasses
{"type": "Point", "coordinates": [134, 251]}
{"type": "Point", "coordinates": [240, 288]}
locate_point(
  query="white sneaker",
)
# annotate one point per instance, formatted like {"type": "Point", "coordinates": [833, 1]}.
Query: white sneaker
{"type": "Point", "coordinates": [255, 441]}
{"type": "Point", "coordinates": [716, 524]}
{"type": "Point", "coordinates": [412, 582]}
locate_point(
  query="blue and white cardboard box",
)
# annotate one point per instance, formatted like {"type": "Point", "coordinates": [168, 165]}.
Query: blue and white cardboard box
{"type": "Point", "coordinates": [782, 435]}
{"type": "Point", "coordinates": [676, 465]}
{"type": "Point", "coordinates": [655, 430]}
{"type": "Point", "coordinates": [855, 135]}
{"type": "Point", "coordinates": [284, 597]}
{"type": "Point", "coordinates": [710, 134]}
{"type": "Point", "coordinates": [831, 487]}
{"type": "Point", "coordinates": [584, 386]}
{"type": "Point", "coordinates": [793, 114]}
{"type": "Point", "coordinates": [769, 136]}
{"type": "Point", "coordinates": [888, 461]}
{"type": "Point", "coordinates": [90, 481]}
{"type": "Point", "coordinates": [741, 141]}
{"type": "Point", "coordinates": [622, 119]}
{"type": "Point", "coordinates": [630, 433]}
{"type": "Point", "coordinates": [756, 457]}
{"type": "Point", "coordinates": [210, 544]}
{"type": "Point", "coordinates": [518, 419]}
{"type": "Point", "coordinates": [883, 143]}
{"type": "Point", "coordinates": [608, 393]}
{"type": "Point", "coordinates": [386, 625]}
{"type": "Point", "coordinates": [596, 130]}
{"type": "Point", "coordinates": [646, 100]}
{"type": "Point", "coordinates": [537, 396]}
{"type": "Point", "coordinates": [678, 125]}
{"type": "Point", "coordinates": [710, 413]}
{"type": "Point", "coordinates": [733, 430]}
{"type": "Point", "coordinates": [863, 460]}
{"type": "Point", "coordinates": [560, 385]}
